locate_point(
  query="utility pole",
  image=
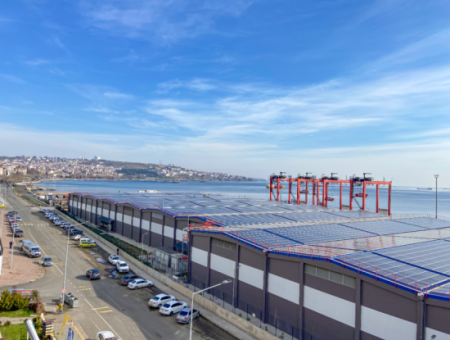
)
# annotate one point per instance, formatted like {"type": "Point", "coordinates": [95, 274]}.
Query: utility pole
{"type": "Point", "coordinates": [65, 266]}
{"type": "Point", "coordinates": [12, 248]}
{"type": "Point", "coordinates": [436, 176]}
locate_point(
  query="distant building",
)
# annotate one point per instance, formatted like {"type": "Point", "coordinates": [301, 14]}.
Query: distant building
{"type": "Point", "coordinates": [96, 158]}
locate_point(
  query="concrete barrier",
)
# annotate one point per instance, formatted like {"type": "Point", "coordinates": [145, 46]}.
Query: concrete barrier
{"type": "Point", "coordinates": [225, 314]}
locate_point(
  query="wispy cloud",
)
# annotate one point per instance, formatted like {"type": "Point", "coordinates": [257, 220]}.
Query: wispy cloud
{"type": "Point", "coordinates": [57, 71]}
{"type": "Point", "coordinates": [131, 57]}
{"type": "Point", "coordinates": [163, 21]}
{"type": "Point", "coordinates": [118, 95]}
{"type": "Point", "coordinates": [12, 78]}
{"type": "Point", "coordinates": [38, 62]}
{"type": "Point", "coordinates": [63, 47]}
{"type": "Point", "coordinates": [195, 84]}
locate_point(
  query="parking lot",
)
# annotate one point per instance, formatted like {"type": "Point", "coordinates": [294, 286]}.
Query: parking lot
{"type": "Point", "coordinates": [103, 304]}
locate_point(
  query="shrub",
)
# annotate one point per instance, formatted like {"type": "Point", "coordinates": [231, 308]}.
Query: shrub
{"type": "Point", "coordinates": [7, 323]}
{"type": "Point", "coordinates": [6, 301]}
{"type": "Point", "coordinates": [20, 302]}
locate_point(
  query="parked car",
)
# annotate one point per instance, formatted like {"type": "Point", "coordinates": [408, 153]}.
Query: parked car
{"type": "Point", "coordinates": [139, 283]}
{"type": "Point", "coordinates": [19, 219]}
{"type": "Point", "coordinates": [82, 239]}
{"type": "Point", "coordinates": [122, 267]}
{"type": "Point", "coordinates": [160, 299]}
{"type": "Point", "coordinates": [127, 278]}
{"type": "Point", "coordinates": [172, 307]}
{"type": "Point", "coordinates": [106, 335]}
{"type": "Point", "coordinates": [46, 261]}
{"type": "Point", "coordinates": [87, 244]}
{"type": "Point", "coordinates": [18, 232]}
{"type": "Point", "coordinates": [185, 315]}
{"type": "Point", "coordinates": [93, 274]}
{"type": "Point", "coordinates": [77, 237]}
{"type": "Point", "coordinates": [75, 232]}
{"type": "Point", "coordinates": [113, 259]}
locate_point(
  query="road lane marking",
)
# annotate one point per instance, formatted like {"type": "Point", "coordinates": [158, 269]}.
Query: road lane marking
{"type": "Point", "coordinates": [75, 328]}
{"type": "Point", "coordinates": [100, 308]}
{"type": "Point", "coordinates": [106, 311]}
{"type": "Point", "coordinates": [101, 317]}
{"type": "Point", "coordinates": [81, 286]}
{"type": "Point", "coordinates": [86, 289]}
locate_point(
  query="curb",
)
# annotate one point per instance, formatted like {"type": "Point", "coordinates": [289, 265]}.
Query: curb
{"type": "Point", "coordinates": [25, 282]}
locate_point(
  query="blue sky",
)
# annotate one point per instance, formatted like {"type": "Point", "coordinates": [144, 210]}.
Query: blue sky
{"type": "Point", "coordinates": [245, 87]}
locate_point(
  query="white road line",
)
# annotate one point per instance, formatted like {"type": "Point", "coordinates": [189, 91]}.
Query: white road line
{"type": "Point", "coordinates": [102, 319]}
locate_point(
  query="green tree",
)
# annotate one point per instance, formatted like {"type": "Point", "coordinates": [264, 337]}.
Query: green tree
{"type": "Point", "coordinates": [20, 302]}
{"type": "Point", "coordinates": [6, 301]}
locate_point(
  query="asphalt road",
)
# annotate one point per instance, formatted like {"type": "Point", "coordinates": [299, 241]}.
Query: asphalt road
{"type": "Point", "coordinates": [103, 304]}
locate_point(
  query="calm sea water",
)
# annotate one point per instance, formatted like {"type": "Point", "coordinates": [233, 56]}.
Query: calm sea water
{"type": "Point", "coordinates": [404, 199]}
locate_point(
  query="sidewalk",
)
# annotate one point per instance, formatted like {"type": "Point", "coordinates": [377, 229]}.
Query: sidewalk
{"type": "Point", "coordinates": [24, 269]}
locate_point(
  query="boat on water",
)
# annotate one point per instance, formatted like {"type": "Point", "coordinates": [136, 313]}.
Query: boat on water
{"type": "Point", "coordinates": [424, 188]}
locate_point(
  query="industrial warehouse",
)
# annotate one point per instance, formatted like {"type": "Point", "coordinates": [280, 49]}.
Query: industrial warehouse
{"type": "Point", "coordinates": [314, 271]}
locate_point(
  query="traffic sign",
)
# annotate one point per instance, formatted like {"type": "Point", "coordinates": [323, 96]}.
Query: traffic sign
{"type": "Point", "coordinates": [63, 290]}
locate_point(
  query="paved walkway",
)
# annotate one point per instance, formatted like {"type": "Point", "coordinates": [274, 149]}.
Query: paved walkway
{"type": "Point", "coordinates": [24, 269]}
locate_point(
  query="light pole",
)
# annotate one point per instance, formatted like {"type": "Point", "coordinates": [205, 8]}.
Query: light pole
{"type": "Point", "coordinates": [142, 244]}
{"type": "Point", "coordinates": [65, 265]}
{"type": "Point", "coordinates": [12, 248]}
{"type": "Point", "coordinates": [192, 304]}
{"type": "Point", "coordinates": [234, 283]}
{"type": "Point", "coordinates": [436, 176]}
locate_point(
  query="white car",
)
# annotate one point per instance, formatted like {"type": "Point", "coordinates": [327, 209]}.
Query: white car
{"type": "Point", "coordinates": [106, 335]}
{"type": "Point", "coordinates": [76, 237]}
{"type": "Point", "coordinates": [160, 299]}
{"type": "Point", "coordinates": [172, 307]}
{"type": "Point", "coordinates": [122, 267]}
{"type": "Point", "coordinates": [113, 259]}
{"type": "Point", "coordinates": [139, 283]}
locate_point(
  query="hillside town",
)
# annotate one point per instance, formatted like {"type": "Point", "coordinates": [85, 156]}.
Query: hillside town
{"type": "Point", "coordinates": [39, 168]}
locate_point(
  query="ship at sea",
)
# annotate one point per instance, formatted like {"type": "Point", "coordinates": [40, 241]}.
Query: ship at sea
{"type": "Point", "coordinates": [424, 188]}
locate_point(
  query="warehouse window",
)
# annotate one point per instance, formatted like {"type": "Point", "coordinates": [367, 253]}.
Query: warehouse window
{"type": "Point", "coordinates": [224, 244]}
{"type": "Point", "coordinates": [331, 276]}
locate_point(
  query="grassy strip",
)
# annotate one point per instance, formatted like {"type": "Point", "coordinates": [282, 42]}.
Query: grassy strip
{"type": "Point", "coordinates": [32, 201]}
{"type": "Point", "coordinates": [14, 332]}
{"type": "Point", "coordinates": [21, 313]}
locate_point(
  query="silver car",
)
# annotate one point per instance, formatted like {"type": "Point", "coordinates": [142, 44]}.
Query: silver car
{"type": "Point", "coordinates": [185, 315]}
{"type": "Point", "coordinates": [46, 261]}
{"type": "Point", "coordinates": [172, 307]}
{"type": "Point", "coordinates": [113, 259]}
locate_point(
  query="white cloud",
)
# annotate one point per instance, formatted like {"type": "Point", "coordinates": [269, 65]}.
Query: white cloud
{"type": "Point", "coordinates": [118, 95]}
{"type": "Point", "coordinates": [12, 78]}
{"type": "Point", "coordinates": [163, 21]}
{"type": "Point", "coordinates": [38, 62]}
{"type": "Point", "coordinates": [250, 159]}
{"type": "Point", "coordinates": [57, 71]}
{"type": "Point", "coordinates": [195, 85]}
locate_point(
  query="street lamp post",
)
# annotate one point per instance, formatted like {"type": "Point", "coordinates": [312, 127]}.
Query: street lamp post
{"type": "Point", "coordinates": [436, 176]}
{"type": "Point", "coordinates": [234, 283]}
{"type": "Point", "coordinates": [12, 248]}
{"type": "Point", "coordinates": [192, 303]}
{"type": "Point", "coordinates": [65, 266]}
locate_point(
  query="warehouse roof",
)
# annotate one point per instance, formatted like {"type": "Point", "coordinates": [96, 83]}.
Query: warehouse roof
{"type": "Point", "coordinates": [410, 253]}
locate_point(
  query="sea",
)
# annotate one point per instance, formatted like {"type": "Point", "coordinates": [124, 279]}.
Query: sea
{"type": "Point", "coordinates": [404, 200]}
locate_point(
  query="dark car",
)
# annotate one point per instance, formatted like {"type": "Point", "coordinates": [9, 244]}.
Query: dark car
{"type": "Point", "coordinates": [74, 232]}
{"type": "Point", "coordinates": [93, 274]}
{"type": "Point", "coordinates": [127, 278]}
